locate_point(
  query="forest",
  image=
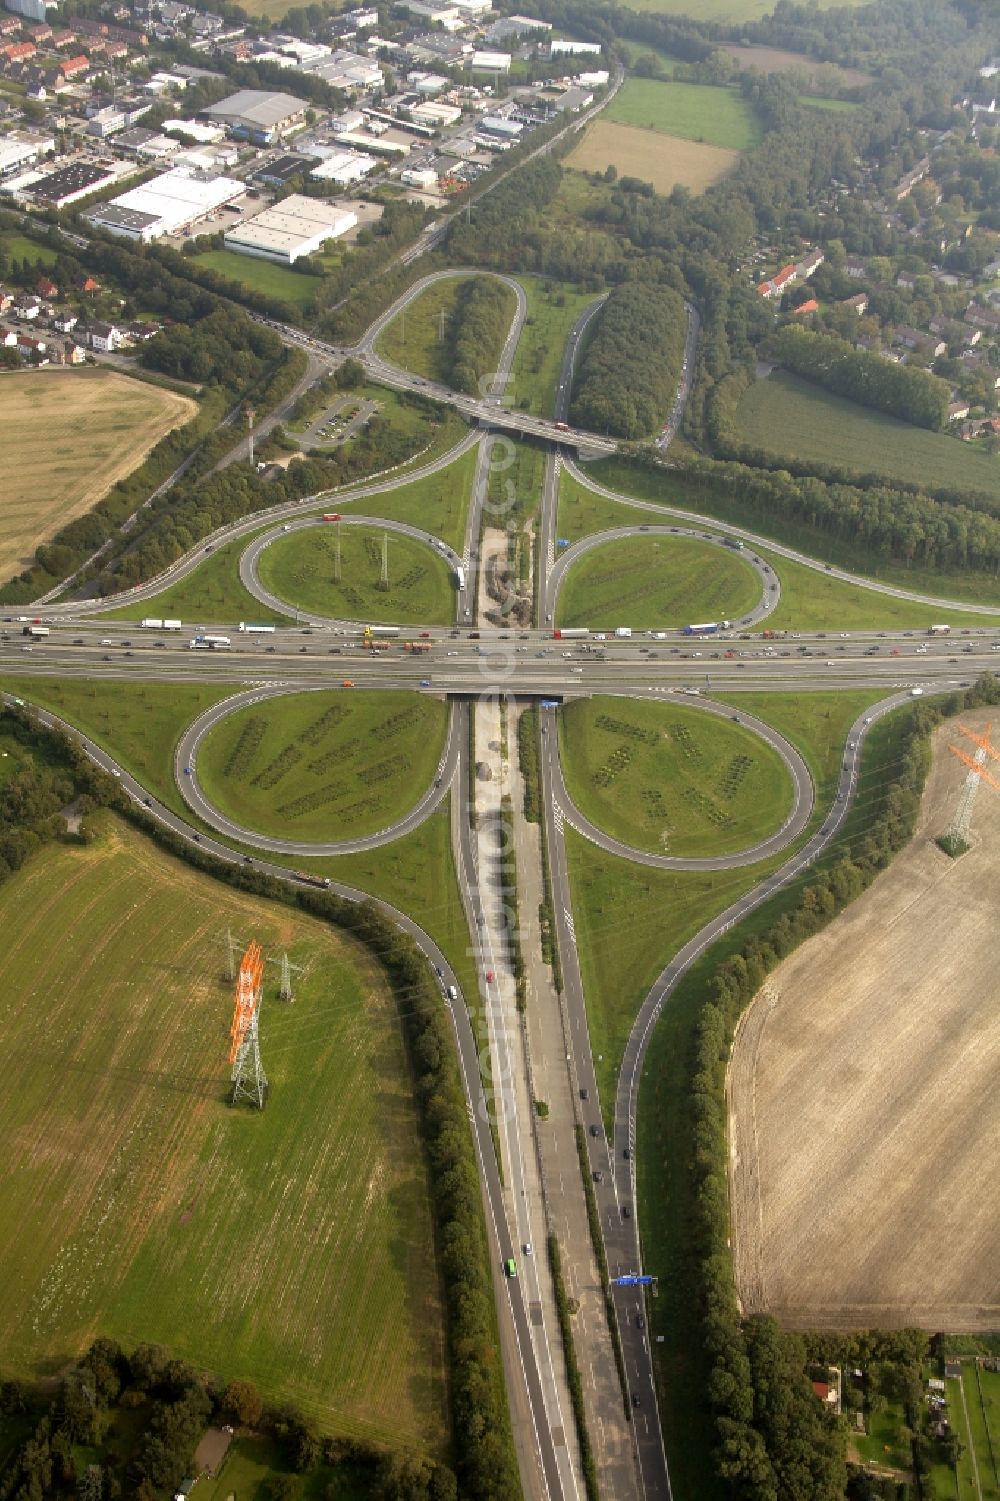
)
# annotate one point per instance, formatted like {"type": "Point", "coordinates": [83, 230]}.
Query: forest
{"type": "Point", "coordinates": [631, 366]}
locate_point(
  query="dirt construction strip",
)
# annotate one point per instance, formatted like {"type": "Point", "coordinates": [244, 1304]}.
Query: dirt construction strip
{"type": "Point", "coordinates": [863, 1100]}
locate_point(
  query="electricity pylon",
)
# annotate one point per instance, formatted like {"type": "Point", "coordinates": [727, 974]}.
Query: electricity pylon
{"type": "Point", "coordinates": [232, 946]}
{"type": "Point", "coordinates": [285, 992]}
{"type": "Point", "coordinates": [249, 1079]}
{"type": "Point", "coordinates": [957, 836]}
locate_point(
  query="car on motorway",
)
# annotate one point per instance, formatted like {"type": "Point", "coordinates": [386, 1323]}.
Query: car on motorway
{"type": "Point", "coordinates": [526, 1248]}
{"type": "Point", "coordinates": [640, 1322]}
{"type": "Point", "coordinates": [490, 977]}
{"type": "Point", "coordinates": [636, 1400]}
{"type": "Point", "coordinates": [510, 1267]}
{"type": "Point", "coordinates": [347, 683]}
{"type": "Point", "coordinates": [595, 1130]}
{"type": "Point", "coordinates": [597, 1175]}
{"type": "Point", "coordinates": [585, 1094]}
{"type": "Point", "coordinates": [626, 1212]}
{"type": "Point", "coordinates": [425, 682]}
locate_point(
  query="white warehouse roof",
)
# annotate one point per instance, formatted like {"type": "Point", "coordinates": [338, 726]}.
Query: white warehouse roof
{"type": "Point", "coordinates": [167, 203]}
{"type": "Point", "coordinates": [296, 227]}
{"type": "Point", "coordinates": [344, 167]}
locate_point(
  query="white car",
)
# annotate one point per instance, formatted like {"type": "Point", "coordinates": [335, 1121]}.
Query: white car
{"type": "Point", "coordinates": [527, 1248]}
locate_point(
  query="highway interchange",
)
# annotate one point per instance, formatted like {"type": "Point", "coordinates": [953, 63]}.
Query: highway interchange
{"type": "Point", "coordinates": [462, 663]}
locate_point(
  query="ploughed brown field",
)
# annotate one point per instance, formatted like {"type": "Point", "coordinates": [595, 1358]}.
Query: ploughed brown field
{"type": "Point", "coordinates": [864, 1096]}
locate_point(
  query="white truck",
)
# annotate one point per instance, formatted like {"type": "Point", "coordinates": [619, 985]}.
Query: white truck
{"type": "Point", "coordinates": [623, 632]}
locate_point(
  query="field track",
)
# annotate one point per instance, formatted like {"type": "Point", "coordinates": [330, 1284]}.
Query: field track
{"type": "Point", "coordinates": [862, 1098]}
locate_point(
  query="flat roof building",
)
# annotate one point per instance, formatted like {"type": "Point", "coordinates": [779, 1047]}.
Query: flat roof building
{"type": "Point", "coordinates": [491, 62]}
{"type": "Point", "coordinates": [292, 229]}
{"type": "Point", "coordinates": [344, 167]}
{"type": "Point", "coordinates": [70, 183]}
{"type": "Point", "coordinates": [258, 114]}
{"type": "Point", "coordinates": [168, 204]}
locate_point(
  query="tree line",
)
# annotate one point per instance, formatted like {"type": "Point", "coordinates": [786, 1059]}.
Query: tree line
{"type": "Point", "coordinates": [485, 1462]}
{"type": "Point", "coordinates": [477, 331]}
{"type": "Point", "coordinates": [900, 390]}
{"type": "Point", "coordinates": [631, 365]}
{"type": "Point", "coordinates": [877, 524]}
{"type": "Point", "coordinates": [70, 1449]}
{"type": "Point", "coordinates": [773, 1438]}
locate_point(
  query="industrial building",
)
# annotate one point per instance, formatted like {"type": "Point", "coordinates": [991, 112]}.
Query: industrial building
{"type": "Point", "coordinates": [344, 167]}
{"type": "Point", "coordinates": [16, 150]}
{"type": "Point", "coordinates": [165, 206]}
{"type": "Point", "coordinates": [258, 115]}
{"type": "Point", "coordinates": [292, 229]}
{"type": "Point", "coordinates": [71, 183]}
{"type": "Point", "coordinates": [490, 62]}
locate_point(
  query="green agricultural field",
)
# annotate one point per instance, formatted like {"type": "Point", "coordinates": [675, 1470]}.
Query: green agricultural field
{"type": "Point", "coordinates": [553, 308]}
{"type": "Point", "coordinates": [212, 593]}
{"type": "Point", "coordinates": [137, 723]}
{"type": "Point", "coordinates": [439, 502]}
{"type": "Point", "coordinates": [300, 567]}
{"type": "Point", "coordinates": [672, 780]}
{"type": "Point", "coordinates": [656, 583]}
{"type": "Point", "coordinates": [664, 487]}
{"type": "Point", "coordinates": [789, 417]}
{"type": "Point", "coordinates": [295, 287]}
{"type": "Point", "coordinates": [325, 765]}
{"type": "Point", "coordinates": [293, 1247]}
{"type": "Point", "coordinates": [714, 114]}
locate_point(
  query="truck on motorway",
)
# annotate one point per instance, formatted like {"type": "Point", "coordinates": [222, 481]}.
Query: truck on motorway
{"type": "Point", "coordinates": [734, 543]}
{"type": "Point", "coordinates": [939, 630]}
{"type": "Point", "coordinates": [459, 576]}
{"type": "Point", "coordinates": [172, 625]}
{"type": "Point", "coordinates": [416, 647]}
{"type": "Point", "coordinates": [381, 630]}
{"type": "Point", "coordinates": [707, 628]}
{"type": "Point", "coordinates": [35, 630]}
{"type": "Point", "coordinates": [151, 624]}
{"type": "Point", "coordinates": [311, 880]}
{"type": "Point", "coordinates": [567, 633]}
{"type": "Point", "coordinates": [210, 643]}
{"type": "Point", "coordinates": [623, 632]}
{"type": "Point", "coordinates": [256, 630]}
{"type": "Point", "coordinates": [332, 516]}
{"type": "Point", "coordinates": [561, 427]}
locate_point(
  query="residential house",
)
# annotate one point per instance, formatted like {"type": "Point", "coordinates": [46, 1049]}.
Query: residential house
{"type": "Point", "coordinates": [18, 52]}
{"type": "Point", "coordinates": [909, 180]}
{"type": "Point", "coordinates": [40, 33]}
{"type": "Point", "coordinates": [68, 352]}
{"type": "Point", "coordinates": [27, 306]}
{"type": "Point", "coordinates": [46, 288]}
{"type": "Point", "coordinates": [810, 263]}
{"type": "Point", "coordinates": [859, 302]}
{"type": "Point", "coordinates": [6, 299]}
{"type": "Point", "coordinates": [810, 306]}
{"type": "Point", "coordinates": [105, 337]}
{"type": "Point", "coordinates": [88, 284]}
{"type": "Point", "coordinates": [9, 26]}
{"type": "Point", "coordinates": [63, 38]}
{"type": "Point", "coordinates": [8, 338]}
{"type": "Point", "coordinates": [907, 280]}
{"type": "Point", "coordinates": [957, 410]}
{"type": "Point", "coordinates": [980, 365]}
{"type": "Point", "coordinates": [31, 345]}
{"type": "Point", "coordinates": [74, 66]}
{"type": "Point", "coordinates": [65, 320]}
{"type": "Point", "coordinates": [777, 283]}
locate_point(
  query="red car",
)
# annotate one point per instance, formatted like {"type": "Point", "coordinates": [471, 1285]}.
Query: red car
{"type": "Point", "coordinates": [490, 977]}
